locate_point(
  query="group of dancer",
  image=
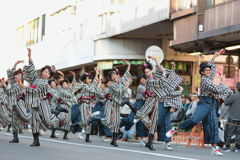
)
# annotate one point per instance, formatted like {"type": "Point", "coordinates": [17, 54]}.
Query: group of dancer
{"type": "Point", "coordinates": [51, 102]}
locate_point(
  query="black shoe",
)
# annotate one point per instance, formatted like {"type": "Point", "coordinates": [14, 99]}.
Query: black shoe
{"type": "Point", "coordinates": [8, 130]}
{"type": "Point", "coordinates": [87, 138]}
{"type": "Point", "coordinates": [20, 131]}
{"type": "Point", "coordinates": [114, 138]}
{"type": "Point", "coordinates": [61, 109]}
{"type": "Point", "coordinates": [73, 126]}
{"type": "Point", "coordinates": [53, 133]}
{"type": "Point", "coordinates": [92, 119]}
{"type": "Point", "coordinates": [149, 143]}
{"type": "Point", "coordinates": [65, 135]}
{"type": "Point", "coordinates": [130, 105]}
{"type": "Point", "coordinates": [36, 140]}
{"type": "Point", "coordinates": [15, 138]}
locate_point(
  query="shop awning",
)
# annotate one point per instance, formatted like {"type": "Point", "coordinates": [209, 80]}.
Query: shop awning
{"type": "Point", "coordinates": [106, 65]}
{"type": "Point", "coordinates": [179, 65]}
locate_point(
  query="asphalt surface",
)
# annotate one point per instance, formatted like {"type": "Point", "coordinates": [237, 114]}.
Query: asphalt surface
{"type": "Point", "coordinates": [75, 148]}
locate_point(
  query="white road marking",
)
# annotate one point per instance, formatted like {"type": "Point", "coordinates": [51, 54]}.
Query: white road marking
{"type": "Point", "coordinates": [110, 148]}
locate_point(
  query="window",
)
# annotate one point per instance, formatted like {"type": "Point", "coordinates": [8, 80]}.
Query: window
{"type": "Point", "coordinates": [209, 3]}
{"type": "Point", "coordinates": [112, 2]}
{"type": "Point", "coordinates": [19, 37]}
{"type": "Point", "coordinates": [120, 1]}
{"type": "Point", "coordinates": [185, 4]}
{"type": "Point", "coordinates": [80, 31]}
{"type": "Point", "coordinates": [43, 26]}
{"type": "Point", "coordinates": [33, 28]}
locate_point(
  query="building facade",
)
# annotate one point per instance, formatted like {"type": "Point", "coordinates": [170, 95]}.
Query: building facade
{"type": "Point", "coordinates": [81, 34]}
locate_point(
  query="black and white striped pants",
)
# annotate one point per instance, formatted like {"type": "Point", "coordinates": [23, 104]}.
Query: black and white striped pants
{"type": "Point", "coordinates": [148, 114]}
{"type": "Point", "coordinates": [85, 111]}
{"type": "Point", "coordinates": [112, 117]}
{"type": "Point", "coordinates": [4, 116]}
{"type": "Point", "coordinates": [42, 117]}
{"type": "Point", "coordinates": [67, 118]}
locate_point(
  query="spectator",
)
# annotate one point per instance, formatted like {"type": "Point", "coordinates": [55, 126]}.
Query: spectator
{"type": "Point", "coordinates": [127, 134]}
{"type": "Point", "coordinates": [233, 102]}
{"type": "Point", "coordinates": [125, 110]}
{"type": "Point", "coordinates": [174, 113]}
{"type": "Point", "coordinates": [192, 107]}
{"type": "Point", "coordinates": [223, 112]}
{"type": "Point", "coordinates": [184, 102]}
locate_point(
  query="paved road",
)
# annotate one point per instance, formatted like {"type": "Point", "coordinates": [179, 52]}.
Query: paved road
{"type": "Point", "coordinates": [75, 148]}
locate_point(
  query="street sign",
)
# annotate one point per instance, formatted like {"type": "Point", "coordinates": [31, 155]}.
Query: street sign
{"type": "Point", "coordinates": [154, 51]}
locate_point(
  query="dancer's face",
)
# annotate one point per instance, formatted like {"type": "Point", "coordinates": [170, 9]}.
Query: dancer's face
{"type": "Point", "coordinates": [53, 85]}
{"type": "Point", "coordinates": [45, 74]}
{"type": "Point", "coordinates": [148, 72]}
{"type": "Point", "coordinates": [88, 80]}
{"type": "Point", "coordinates": [102, 86]}
{"type": "Point", "coordinates": [18, 77]}
{"type": "Point", "coordinates": [65, 85]}
{"type": "Point", "coordinates": [143, 81]}
{"type": "Point", "coordinates": [206, 72]}
{"type": "Point", "coordinates": [108, 84]}
{"type": "Point", "coordinates": [114, 77]}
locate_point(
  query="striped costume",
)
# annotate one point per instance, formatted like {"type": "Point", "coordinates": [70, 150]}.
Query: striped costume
{"type": "Point", "coordinates": [157, 88]}
{"type": "Point", "coordinates": [112, 111]}
{"type": "Point", "coordinates": [88, 94]}
{"type": "Point", "coordinates": [16, 100]}
{"type": "Point", "coordinates": [5, 119]}
{"type": "Point", "coordinates": [69, 99]}
{"type": "Point", "coordinates": [53, 103]}
{"type": "Point", "coordinates": [41, 114]}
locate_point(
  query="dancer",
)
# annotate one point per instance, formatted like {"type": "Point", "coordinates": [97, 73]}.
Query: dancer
{"type": "Point", "coordinates": [89, 89]}
{"type": "Point", "coordinates": [206, 110]}
{"type": "Point", "coordinates": [164, 106]}
{"type": "Point", "coordinates": [5, 117]}
{"type": "Point", "coordinates": [66, 92]}
{"type": "Point", "coordinates": [54, 102]}
{"type": "Point", "coordinates": [112, 110]}
{"type": "Point", "coordinates": [16, 99]}
{"type": "Point", "coordinates": [37, 97]}
{"type": "Point", "coordinates": [157, 87]}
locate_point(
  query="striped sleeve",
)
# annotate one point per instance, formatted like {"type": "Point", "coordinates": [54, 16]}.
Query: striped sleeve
{"type": "Point", "coordinates": [10, 74]}
{"type": "Point", "coordinates": [125, 78]}
{"type": "Point", "coordinates": [31, 73]}
{"type": "Point", "coordinates": [40, 91]}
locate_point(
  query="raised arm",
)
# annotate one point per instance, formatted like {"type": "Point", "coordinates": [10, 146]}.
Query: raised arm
{"type": "Point", "coordinates": [30, 70]}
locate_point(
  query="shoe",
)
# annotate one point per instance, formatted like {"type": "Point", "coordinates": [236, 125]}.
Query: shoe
{"type": "Point", "coordinates": [80, 135]}
{"type": "Point", "coordinates": [168, 147]}
{"type": "Point", "coordinates": [135, 121]}
{"type": "Point", "coordinates": [216, 152]}
{"type": "Point", "coordinates": [114, 138]}
{"type": "Point", "coordinates": [142, 142]}
{"type": "Point", "coordinates": [35, 140]}
{"type": "Point", "coordinates": [15, 138]}
{"type": "Point", "coordinates": [95, 113]}
{"type": "Point", "coordinates": [87, 138]}
{"type": "Point", "coordinates": [73, 126]}
{"type": "Point", "coordinates": [236, 150]}
{"type": "Point", "coordinates": [83, 131]}
{"type": "Point", "coordinates": [65, 135]}
{"type": "Point", "coordinates": [61, 109]}
{"type": "Point", "coordinates": [171, 132]}
{"type": "Point", "coordinates": [149, 143]}
{"type": "Point", "coordinates": [20, 131]}
{"type": "Point", "coordinates": [226, 150]}
{"type": "Point", "coordinates": [130, 105]}
{"type": "Point", "coordinates": [92, 119]}
{"type": "Point", "coordinates": [105, 139]}
{"type": "Point", "coordinates": [9, 126]}
{"type": "Point", "coordinates": [53, 135]}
